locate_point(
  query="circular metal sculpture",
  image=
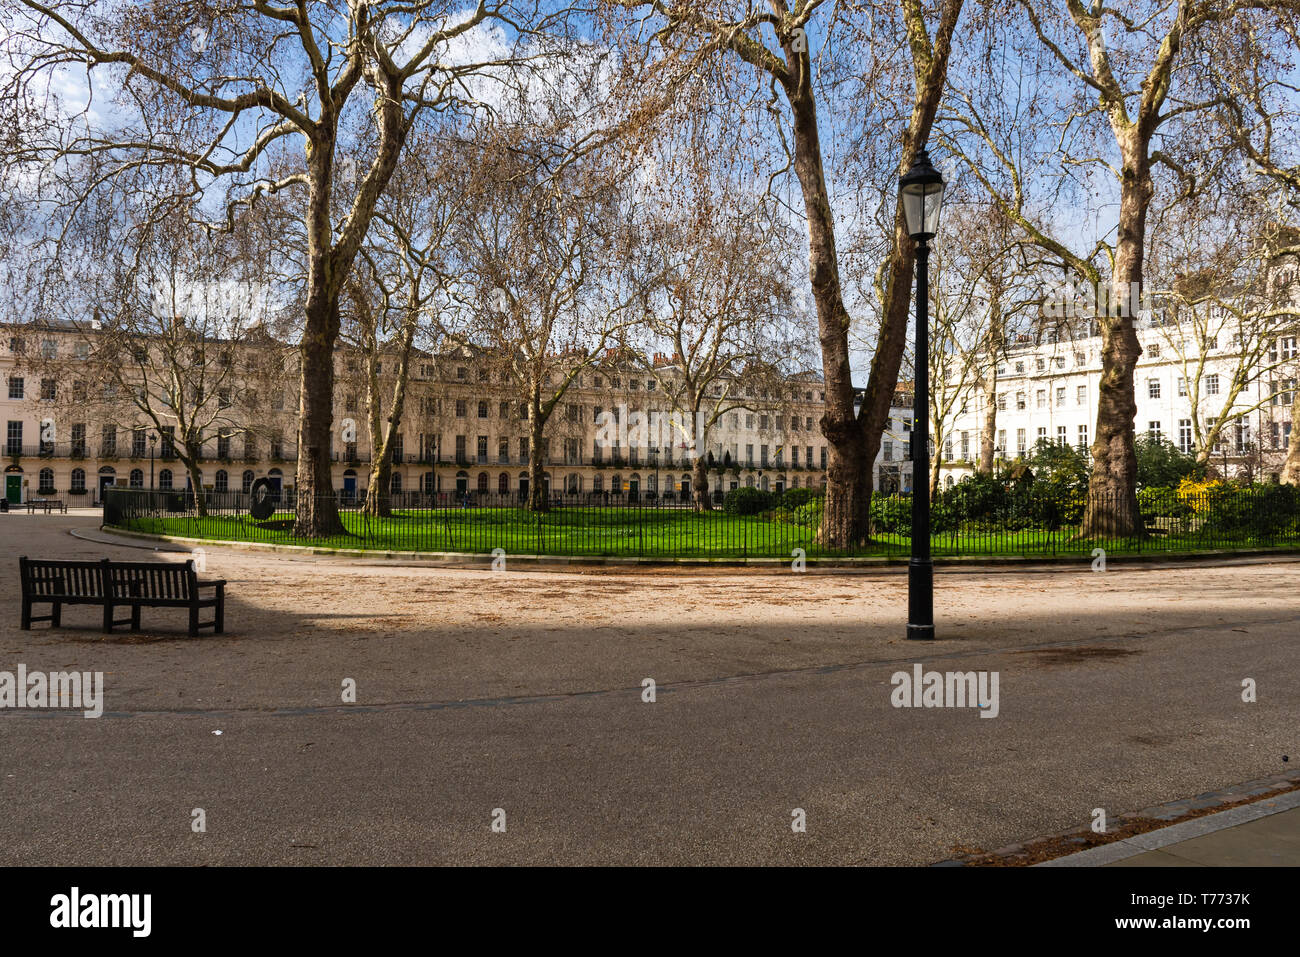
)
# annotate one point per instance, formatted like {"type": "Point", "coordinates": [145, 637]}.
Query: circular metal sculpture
{"type": "Point", "coordinates": [261, 499]}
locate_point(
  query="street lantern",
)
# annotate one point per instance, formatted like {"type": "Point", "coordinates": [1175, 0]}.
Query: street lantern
{"type": "Point", "coordinates": [153, 441]}
{"type": "Point", "coordinates": [920, 193]}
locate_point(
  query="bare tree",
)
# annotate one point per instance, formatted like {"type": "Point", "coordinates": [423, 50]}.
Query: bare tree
{"type": "Point", "coordinates": [253, 100]}
{"type": "Point", "coordinates": [400, 290]}
{"type": "Point", "coordinates": [542, 236]}
{"type": "Point", "coordinates": [720, 305]}
{"type": "Point", "coordinates": [778, 44]}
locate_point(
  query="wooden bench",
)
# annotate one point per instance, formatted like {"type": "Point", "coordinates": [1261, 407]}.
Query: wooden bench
{"type": "Point", "coordinates": [48, 504]}
{"type": "Point", "coordinates": [112, 584]}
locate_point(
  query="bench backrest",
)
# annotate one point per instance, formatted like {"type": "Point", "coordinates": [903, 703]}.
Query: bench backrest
{"type": "Point", "coordinates": [162, 580]}
{"type": "Point", "coordinates": [42, 577]}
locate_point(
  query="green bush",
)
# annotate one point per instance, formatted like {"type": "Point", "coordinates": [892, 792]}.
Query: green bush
{"type": "Point", "coordinates": [809, 514]}
{"type": "Point", "coordinates": [1160, 502]}
{"type": "Point", "coordinates": [795, 497]}
{"type": "Point", "coordinates": [747, 501]}
{"type": "Point", "coordinates": [1159, 463]}
{"type": "Point", "coordinates": [891, 513]}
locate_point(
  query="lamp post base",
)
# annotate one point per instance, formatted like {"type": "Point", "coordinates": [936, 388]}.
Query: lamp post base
{"type": "Point", "coordinates": [920, 632]}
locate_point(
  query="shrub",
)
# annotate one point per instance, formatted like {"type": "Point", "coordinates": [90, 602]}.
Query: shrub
{"type": "Point", "coordinates": [1159, 502]}
{"type": "Point", "coordinates": [810, 513]}
{"type": "Point", "coordinates": [747, 501]}
{"type": "Point", "coordinates": [891, 513]}
{"type": "Point", "coordinates": [795, 497]}
{"type": "Point", "coordinates": [1160, 463]}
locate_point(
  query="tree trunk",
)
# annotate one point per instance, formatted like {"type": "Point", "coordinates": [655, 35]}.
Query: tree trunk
{"type": "Point", "coordinates": [379, 499]}
{"type": "Point", "coordinates": [537, 498]}
{"type": "Point", "coordinates": [988, 433]}
{"type": "Point", "coordinates": [934, 476]}
{"type": "Point", "coordinates": [700, 484]}
{"type": "Point", "coordinates": [848, 485]}
{"type": "Point", "coordinates": [1291, 466]}
{"type": "Point", "coordinates": [317, 511]}
{"type": "Point", "coordinates": [1112, 508]}
{"type": "Point", "coordinates": [191, 464]}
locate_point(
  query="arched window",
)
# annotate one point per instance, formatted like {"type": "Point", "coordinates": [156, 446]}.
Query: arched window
{"type": "Point", "coordinates": [137, 478]}
{"type": "Point", "coordinates": [947, 482]}
{"type": "Point", "coordinates": [573, 485]}
{"type": "Point", "coordinates": [165, 479]}
{"type": "Point", "coordinates": [503, 483]}
{"type": "Point", "coordinates": [47, 482]}
{"type": "Point", "coordinates": [598, 483]}
{"type": "Point", "coordinates": [395, 484]}
{"type": "Point", "coordinates": [246, 483]}
{"type": "Point", "coordinates": [427, 483]}
{"type": "Point", "coordinates": [221, 481]}
{"type": "Point", "coordinates": [78, 480]}
{"type": "Point", "coordinates": [616, 484]}
{"type": "Point", "coordinates": [482, 481]}
{"type": "Point", "coordinates": [482, 409]}
{"type": "Point", "coordinates": [749, 481]}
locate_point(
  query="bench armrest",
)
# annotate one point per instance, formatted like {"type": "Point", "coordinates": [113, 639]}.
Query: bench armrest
{"type": "Point", "coordinates": [213, 583]}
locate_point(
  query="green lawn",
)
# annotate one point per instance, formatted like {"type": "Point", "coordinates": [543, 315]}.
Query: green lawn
{"type": "Point", "coordinates": [650, 533]}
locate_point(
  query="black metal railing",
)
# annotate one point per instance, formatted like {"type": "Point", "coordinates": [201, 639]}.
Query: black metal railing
{"type": "Point", "coordinates": [1039, 523]}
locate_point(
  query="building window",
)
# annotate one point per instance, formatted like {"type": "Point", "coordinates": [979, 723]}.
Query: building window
{"type": "Point", "coordinates": [246, 481]}
{"type": "Point", "coordinates": [1020, 401]}
{"type": "Point", "coordinates": [1040, 399]}
{"type": "Point", "coordinates": [1153, 350]}
{"type": "Point", "coordinates": [947, 450]}
{"type": "Point", "coordinates": [221, 481]}
{"type": "Point", "coordinates": [1153, 431]}
{"type": "Point", "coordinates": [46, 482]}
{"type": "Point", "coordinates": [49, 390]}
{"type": "Point", "coordinates": [1060, 397]}
{"type": "Point", "coordinates": [78, 483]}
{"type": "Point", "coordinates": [1002, 402]}
{"type": "Point", "coordinates": [1185, 436]}
{"type": "Point", "coordinates": [1062, 436]}
{"type": "Point", "coordinates": [1083, 436]}
{"type": "Point", "coordinates": [1153, 388]}
{"type": "Point", "coordinates": [136, 478]}
{"type": "Point", "coordinates": [1182, 386]}
{"type": "Point", "coordinates": [1081, 395]}
{"type": "Point", "coordinates": [461, 408]}
{"type": "Point", "coordinates": [16, 385]}
{"type": "Point", "coordinates": [165, 479]}
{"type": "Point", "coordinates": [14, 438]}
{"type": "Point", "coordinates": [482, 409]}
{"type": "Point", "coordinates": [1212, 385]}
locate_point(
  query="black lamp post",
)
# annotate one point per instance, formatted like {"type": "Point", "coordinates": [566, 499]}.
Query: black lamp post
{"type": "Point", "coordinates": [153, 441]}
{"type": "Point", "coordinates": [920, 193]}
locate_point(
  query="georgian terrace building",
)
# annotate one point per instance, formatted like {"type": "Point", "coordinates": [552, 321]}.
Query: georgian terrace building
{"type": "Point", "coordinates": [69, 435]}
{"type": "Point", "coordinates": [1047, 390]}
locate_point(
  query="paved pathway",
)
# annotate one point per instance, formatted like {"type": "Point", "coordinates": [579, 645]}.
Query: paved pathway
{"type": "Point", "coordinates": [523, 691]}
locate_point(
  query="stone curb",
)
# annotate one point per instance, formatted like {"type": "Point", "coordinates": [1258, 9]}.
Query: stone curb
{"type": "Point", "coordinates": [1169, 811]}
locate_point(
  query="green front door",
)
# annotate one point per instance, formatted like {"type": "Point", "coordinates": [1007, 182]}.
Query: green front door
{"type": "Point", "coordinates": [14, 489]}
